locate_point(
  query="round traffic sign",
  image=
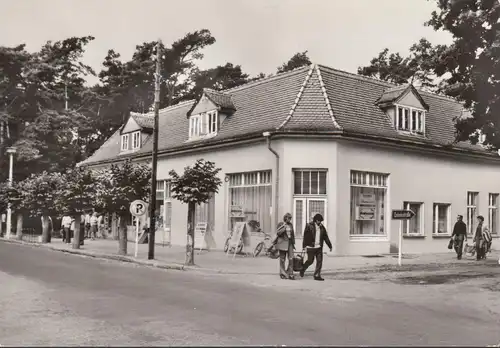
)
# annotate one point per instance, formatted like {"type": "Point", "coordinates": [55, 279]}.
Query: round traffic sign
{"type": "Point", "coordinates": [138, 207]}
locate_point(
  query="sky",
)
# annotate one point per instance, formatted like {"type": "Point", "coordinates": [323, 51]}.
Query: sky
{"type": "Point", "coordinates": [259, 35]}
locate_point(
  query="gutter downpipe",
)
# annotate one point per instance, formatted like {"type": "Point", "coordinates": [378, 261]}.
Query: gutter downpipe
{"type": "Point", "coordinates": [267, 135]}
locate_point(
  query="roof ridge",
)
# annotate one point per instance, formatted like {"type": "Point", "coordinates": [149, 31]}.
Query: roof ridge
{"type": "Point", "coordinates": [168, 108]}
{"type": "Point", "coordinates": [297, 99]}
{"type": "Point", "coordinates": [268, 78]}
{"type": "Point", "coordinates": [361, 77]}
{"type": "Point", "coordinates": [327, 99]}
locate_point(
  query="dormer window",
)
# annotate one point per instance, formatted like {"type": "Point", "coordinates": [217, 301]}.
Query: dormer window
{"type": "Point", "coordinates": [136, 140]}
{"type": "Point", "coordinates": [125, 142]}
{"type": "Point", "coordinates": [203, 124]}
{"type": "Point", "coordinates": [410, 119]}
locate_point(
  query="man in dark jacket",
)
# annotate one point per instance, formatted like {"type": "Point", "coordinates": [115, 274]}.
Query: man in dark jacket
{"type": "Point", "coordinates": [314, 237]}
{"type": "Point", "coordinates": [459, 235]}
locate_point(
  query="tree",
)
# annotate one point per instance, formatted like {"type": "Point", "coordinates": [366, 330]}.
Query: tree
{"type": "Point", "coordinates": [220, 78]}
{"type": "Point", "coordinates": [196, 185]}
{"type": "Point", "coordinates": [13, 195]}
{"type": "Point", "coordinates": [470, 66]}
{"type": "Point", "coordinates": [39, 194]}
{"type": "Point", "coordinates": [417, 68]}
{"type": "Point", "coordinates": [77, 195]}
{"type": "Point", "coordinates": [298, 60]}
{"type": "Point", "coordinates": [117, 187]}
{"type": "Point", "coordinates": [129, 86]}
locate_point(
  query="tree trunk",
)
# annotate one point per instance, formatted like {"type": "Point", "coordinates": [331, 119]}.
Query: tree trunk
{"type": "Point", "coordinates": [45, 229]}
{"type": "Point", "coordinates": [77, 232]}
{"type": "Point", "coordinates": [114, 226]}
{"type": "Point", "coordinates": [190, 235]}
{"type": "Point", "coordinates": [19, 227]}
{"type": "Point", "coordinates": [122, 237]}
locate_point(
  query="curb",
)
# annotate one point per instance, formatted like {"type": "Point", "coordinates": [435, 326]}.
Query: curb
{"type": "Point", "coordinates": [119, 258]}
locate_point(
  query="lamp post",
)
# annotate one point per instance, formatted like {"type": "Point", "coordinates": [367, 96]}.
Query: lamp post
{"type": "Point", "coordinates": [11, 151]}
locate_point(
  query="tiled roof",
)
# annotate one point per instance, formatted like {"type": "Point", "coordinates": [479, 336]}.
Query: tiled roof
{"type": "Point", "coordinates": [144, 121]}
{"type": "Point", "coordinates": [220, 98]}
{"type": "Point", "coordinates": [308, 99]}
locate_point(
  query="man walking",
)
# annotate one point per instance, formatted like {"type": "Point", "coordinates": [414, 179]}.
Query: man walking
{"type": "Point", "coordinates": [66, 225]}
{"type": "Point", "coordinates": [459, 235]}
{"type": "Point", "coordinates": [314, 236]}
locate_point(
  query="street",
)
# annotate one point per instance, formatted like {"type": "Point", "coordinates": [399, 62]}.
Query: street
{"type": "Point", "coordinates": [51, 298]}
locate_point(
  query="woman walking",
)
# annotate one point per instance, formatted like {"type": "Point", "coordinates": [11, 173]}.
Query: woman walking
{"type": "Point", "coordinates": [285, 243]}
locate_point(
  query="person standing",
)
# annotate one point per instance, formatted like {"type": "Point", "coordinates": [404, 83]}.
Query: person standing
{"type": "Point", "coordinates": [315, 236]}
{"type": "Point", "coordinates": [86, 219]}
{"type": "Point", "coordinates": [93, 226]}
{"type": "Point", "coordinates": [479, 238]}
{"type": "Point", "coordinates": [285, 243]}
{"type": "Point", "coordinates": [66, 225]}
{"type": "Point", "coordinates": [459, 235]}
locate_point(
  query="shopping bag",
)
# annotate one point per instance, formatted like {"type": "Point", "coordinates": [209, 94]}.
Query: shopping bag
{"type": "Point", "coordinates": [450, 244]}
{"type": "Point", "coordinates": [298, 262]}
{"type": "Point", "coordinates": [273, 252]}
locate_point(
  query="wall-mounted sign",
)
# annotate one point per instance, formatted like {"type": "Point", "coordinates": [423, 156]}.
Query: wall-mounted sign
{"type": "Point", "coordinates": [367, 198]}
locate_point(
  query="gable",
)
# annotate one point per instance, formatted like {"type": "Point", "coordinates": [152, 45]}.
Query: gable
{"type": "Point", "coordinates": [130, 126]}
{"type": "Point", "coordinates": [410, 99]}
{"type": "Point", "coordinates": [203, 105]}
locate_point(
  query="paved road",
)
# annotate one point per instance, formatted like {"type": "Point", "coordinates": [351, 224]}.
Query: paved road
{"type": "Point", "coordinates": [51, 298]}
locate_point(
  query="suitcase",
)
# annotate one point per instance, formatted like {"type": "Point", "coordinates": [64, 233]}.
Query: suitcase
{"type": "Point", "coordinates": [298, 262]}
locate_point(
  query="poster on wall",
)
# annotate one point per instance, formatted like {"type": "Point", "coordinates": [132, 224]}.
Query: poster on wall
{"type": "Point", "coordinates": [365, 212]}
{"type": "Point", "coordinates": [367, 198]}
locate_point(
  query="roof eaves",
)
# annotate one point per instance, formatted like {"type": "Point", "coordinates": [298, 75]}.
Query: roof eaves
{"type": "Point", "coordinates": [327, 99]}
{"type": "Point", "coordinates": [417, 94]}
{"type": "Point", "coordinates": [297, 99]}
{"type": "Point", "coordinates": [85, 161]}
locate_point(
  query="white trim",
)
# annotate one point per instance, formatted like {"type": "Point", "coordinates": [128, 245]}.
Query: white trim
{"type": "Point", "coordinates": [435, 217]}
{"type": "Point", "coordinates": [136, 136]}
{"type": "Point", "coordinates": [472, 210]}
{"type": "Point", "coordinates": [420, 126]}
{"type": "Point", "coordinates": [304, 214]}
{"type": "Point", "coordinates": [125, 140]}
{"type": "Point", "coordinates": [493, 206]}
{"type": "Point", "coordinates": [406, 205]}
{"type": "Point", "coordinates": [310, 171]}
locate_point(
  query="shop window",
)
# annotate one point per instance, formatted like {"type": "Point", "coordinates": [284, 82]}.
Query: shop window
{"type": "Point", "coordinates": [250, 199]}
{"type": "Point", "coordinates": [368, 202]}
{"type": "Point", "coordinates": [441, 219]}
{"type": "Point", "coordinates": [415, 225]}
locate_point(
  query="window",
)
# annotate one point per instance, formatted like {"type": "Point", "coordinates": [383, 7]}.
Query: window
{"type": "Point", "coordinates": [441, 219]}
{"type": "Point", "coordinates": [250, 198]}
{"type": "Point", "coordinates": [368, 202]}
{"type": "Point", "coordinates": [212, 122]}
{"type": "Point", "coordinates": [125, 142]}
{"type": "Point", "coordinates": [493, 213]}
{"type": "Point", "coordinates": [410, 119]}
{"type": "Point", "coordinates": [136, 140]}
{"type": "Point", "coordinates": [472, 200]}
{"type": "Point", "coordinates": [194, 126]}
{"type": "Point", "coordinates": [309, 197]}
{"type": "Point", "coordinates": [414, 226]}
{"type": "Point", "coordinates": [204, 124]}
{"type": "Point", "coordinates": [309, 182]}
{"type": "Point", "coordinates": [163, 210]}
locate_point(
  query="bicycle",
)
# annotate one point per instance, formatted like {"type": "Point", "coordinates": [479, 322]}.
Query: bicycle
{"type": "Point", "coordinates": [266, 244]}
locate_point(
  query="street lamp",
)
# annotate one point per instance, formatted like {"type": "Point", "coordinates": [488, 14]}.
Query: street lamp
{"type": "Point", "coordinates": [11, 151]}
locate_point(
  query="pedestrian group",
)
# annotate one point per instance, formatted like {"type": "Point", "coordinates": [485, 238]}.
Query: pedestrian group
{"type": "Point", "coordinates": [481, 241]}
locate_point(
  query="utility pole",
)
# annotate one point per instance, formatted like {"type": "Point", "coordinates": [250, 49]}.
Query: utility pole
{"type": "Point", "coordinates": [154, 164]}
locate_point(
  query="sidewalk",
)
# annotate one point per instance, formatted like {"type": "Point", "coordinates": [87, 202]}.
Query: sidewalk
{"type": "Point", "coordinates": [218, 262]}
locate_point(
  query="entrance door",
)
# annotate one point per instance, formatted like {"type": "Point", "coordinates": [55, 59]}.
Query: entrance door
{"type": "Point", "coordinates": [304, 210]}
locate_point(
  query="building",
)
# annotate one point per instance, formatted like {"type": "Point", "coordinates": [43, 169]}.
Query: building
{"type": "Point", "coordinates": [321, 140]}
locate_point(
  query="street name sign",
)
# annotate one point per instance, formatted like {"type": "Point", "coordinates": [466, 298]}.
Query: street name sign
{"type": "Point", "coordinates": [138, 208]}
{"type": "Point", "coordinates": [402, 214]}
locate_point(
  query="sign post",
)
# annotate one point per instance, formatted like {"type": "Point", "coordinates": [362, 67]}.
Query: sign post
{"type": "Point", "coordinates": [401, 215]}
{"type": "Point", "coordinates": [137, 208]}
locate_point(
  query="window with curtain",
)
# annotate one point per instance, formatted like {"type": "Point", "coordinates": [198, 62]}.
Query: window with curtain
{"type": "Point", "coordinates": [250, 198]}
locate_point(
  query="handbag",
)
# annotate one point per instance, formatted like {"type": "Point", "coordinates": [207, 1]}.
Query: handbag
{"type": "Point", "coordinates": [298, 262]}
{"type": "Point", "coordinates": [450, 244]}
{"type": "Point", "coordinates": [273, 252]}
